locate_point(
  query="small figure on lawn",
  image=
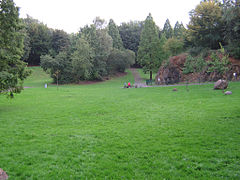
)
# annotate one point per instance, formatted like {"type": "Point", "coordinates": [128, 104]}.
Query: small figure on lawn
{"type": "Point", "coordinates": [129, 84]}
{"type": "Point", "coordinates": [125, 85]}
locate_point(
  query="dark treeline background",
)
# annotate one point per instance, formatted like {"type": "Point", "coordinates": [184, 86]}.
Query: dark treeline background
{"type": "Point", "coordinates": [102, 49]}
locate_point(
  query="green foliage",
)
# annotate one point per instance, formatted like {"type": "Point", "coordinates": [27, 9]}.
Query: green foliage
{"type": "Point", "coordinates": [205, 26]}
{"type": "Point", "coordinates": [40, 40]}
{"type": "Point", "coordinates": [60, 41]}
{"type": "Point", "coordinates": [179, 30]}
{"type": "Point", "coordinates": [82, 60]}
{"type": "Point", "coordinates": [219, 62]}
{"type": "Point", "coordinates": [167, 29]}
{"type": "Point", "coordinates": [114, 33]}
{"type": "Point", "coordinates": [231, 19]}
{"type": "Point", "coordinates": [119, 60]}
{"type": "Point", "coordinates": [130, 33]}
{"type": "Point", "coordinates": [149, 52]}
{"type": "Point", "coordinates": [101, 43]}
{"type": "Point", "coordinates": [61, 64]}
{"type": "Point", "coordinates": [196, 51]}
{"type": "Point", "coordinates": [174, 46]}
{"type": "Point", "coordinates": [12, 69]}
{"type": "Point", "coordinates": [194, 64]}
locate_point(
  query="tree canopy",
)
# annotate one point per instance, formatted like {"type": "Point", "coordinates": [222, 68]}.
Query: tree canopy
{"type": "Point", "coordinates": [114, 33]}
{"type": "Point", "coordinates": [205, 25]}
{"type": "Point", "coordinates": [149, 46]}
{"type": "Point", "coordinates": [12, 68]}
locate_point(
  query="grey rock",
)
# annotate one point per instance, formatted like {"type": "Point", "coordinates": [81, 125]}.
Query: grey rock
{"type": "Point", "coordinates": [221, 84]}
{"type": "Point", "coordinates": [228, 93]}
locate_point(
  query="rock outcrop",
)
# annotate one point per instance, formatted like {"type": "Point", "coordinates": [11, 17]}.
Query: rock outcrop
{"type": "Point", "coordinates": [172, 72]}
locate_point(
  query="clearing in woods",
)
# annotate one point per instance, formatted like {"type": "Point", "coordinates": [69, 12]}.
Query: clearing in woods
{"type": "Point", "coordinates": [103, 131]}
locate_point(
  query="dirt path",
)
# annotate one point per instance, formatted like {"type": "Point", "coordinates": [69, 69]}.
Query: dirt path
{"type": "Point", "coordinates": [138, 80]}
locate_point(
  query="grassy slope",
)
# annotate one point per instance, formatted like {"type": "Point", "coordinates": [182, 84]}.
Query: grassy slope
{"type": "Point", "coordinates": [106, 132]}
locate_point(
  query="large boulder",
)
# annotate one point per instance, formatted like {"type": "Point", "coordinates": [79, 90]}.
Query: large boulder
{"type": "Point", "coordinates": [3, 175]}
{"type": "Point", "coordinates": [221, 84]}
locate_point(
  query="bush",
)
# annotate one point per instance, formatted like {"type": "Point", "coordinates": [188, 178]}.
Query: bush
{"type": "Point", "coordinates": [119, 60]}
{"type": "Point", "coordinates": [194, 64]}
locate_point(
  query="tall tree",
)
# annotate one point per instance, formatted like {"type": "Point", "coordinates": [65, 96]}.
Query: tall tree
{"type": "Point", "coordinates": [167, 29]}
{"type": "Point", "coordinates": [101, 43]}
{"type": "Point", "coordinates": [205, 26]}
{"type": "Point", "coordinates": [82, 60]}
{"type": "Point", "coordinates": [12, 69]}
{"type": "Point", "coordinates": [60, 41]}
{"type": "Point", "coordinates": [130, 33]}
{"type": "Point", "coordinates": [114, 33]}
{"type": "Point", "coordinates": [178, 31]}
{"type": "Point", "coordinates": [149, 47]}
{"type": "Point", "coordinates": [231, 19]}
{"type": "Point", "coordinates": [40, 39]}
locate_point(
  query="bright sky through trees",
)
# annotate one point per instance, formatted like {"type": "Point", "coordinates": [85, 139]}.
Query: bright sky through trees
{"type": "Point", "coordinates": [72, 14]}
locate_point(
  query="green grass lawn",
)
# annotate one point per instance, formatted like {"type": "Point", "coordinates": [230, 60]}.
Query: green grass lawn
{"type": "Point", "coordinates": [103, 131]}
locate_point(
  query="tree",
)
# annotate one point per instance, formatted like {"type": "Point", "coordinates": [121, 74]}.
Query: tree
{"type": "Point", "coordinates": [60, 67]}
{"type": "Point", "coordinates": [178, 31]}
{"type": "Point", "coordinates": [12, 69]}
{"type": "Point", "coordinates": [174, 46]}
{"type": "Point", "coordinates": [167, 29]}
{"type": "Point", "coordinates": [231, 20]}
{"type": "Point", "coordinates": [59, 41]}
{"type": "Point", "coordinates": [114, 33]}
{"type": "Point", "coordinates": [82, 60]}
{"type": "Point", "coordinates": [101, 43]}
{"type": "Point", "coordinates": [205, 26]}
{"type": "Point", "coordinates": [149, 47]}
{"type": "Point", "coordinates": [40, 40]}
{"type": "Point", "coordinates": [130, 34]}
{"type": "Point", "coordinates": [119, 60]}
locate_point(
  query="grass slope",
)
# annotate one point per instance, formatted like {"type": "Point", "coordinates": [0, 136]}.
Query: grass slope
{"type": "Point", "coordinates": [102, 131]}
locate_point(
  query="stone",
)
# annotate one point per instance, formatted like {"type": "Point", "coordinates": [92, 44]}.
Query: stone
{"type": "Point", "coordinates": [221, 84]}
{"type": "Point", "coordinates": [228, 93]}
{"type": "Point", "coordinates": [3, 175]}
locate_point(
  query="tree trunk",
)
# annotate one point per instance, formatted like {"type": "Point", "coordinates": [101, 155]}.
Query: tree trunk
{"type": "Point", "coordinates": [150, 75]}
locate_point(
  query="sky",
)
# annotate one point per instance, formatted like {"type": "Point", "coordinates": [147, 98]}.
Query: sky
{"type": "Point", "coordinates": [70, 15]}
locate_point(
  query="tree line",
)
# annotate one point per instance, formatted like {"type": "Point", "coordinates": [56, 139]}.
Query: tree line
{"type": "Point", "coordinates": [102, 49]}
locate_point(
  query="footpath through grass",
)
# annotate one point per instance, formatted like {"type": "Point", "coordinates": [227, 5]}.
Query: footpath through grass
{"type": "Point", "coordinates": [103, 131]}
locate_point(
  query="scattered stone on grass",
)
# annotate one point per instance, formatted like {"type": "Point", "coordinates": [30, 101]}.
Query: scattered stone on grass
{"type": "Point", "coordinates": [228, 93]}
{"type": "Point", "coordinates": [221, 84]}
{"type": "Point", "coordinates": [3, 175]}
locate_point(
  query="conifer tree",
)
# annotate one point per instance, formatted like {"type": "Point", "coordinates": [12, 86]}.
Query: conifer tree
{"type": "Point", "coordinates": [114, 33]}
{"type": "Point", "coordinates": [12, 69]}
{"type": "Point", "coordinates": [167, 29]}
{"type": "Point", "coordinates": [149, 47]}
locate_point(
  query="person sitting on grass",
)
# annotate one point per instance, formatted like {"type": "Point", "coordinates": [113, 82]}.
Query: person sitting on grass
{"type": "Point", "coordinates": [129, 84]}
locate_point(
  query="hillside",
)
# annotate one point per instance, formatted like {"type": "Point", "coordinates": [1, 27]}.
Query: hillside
{"type": "Point", "coordinates": [172, 71]}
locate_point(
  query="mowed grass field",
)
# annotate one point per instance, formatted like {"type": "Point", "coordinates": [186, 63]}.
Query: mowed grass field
{"type": "Point", "coordinates": [103, 131]}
